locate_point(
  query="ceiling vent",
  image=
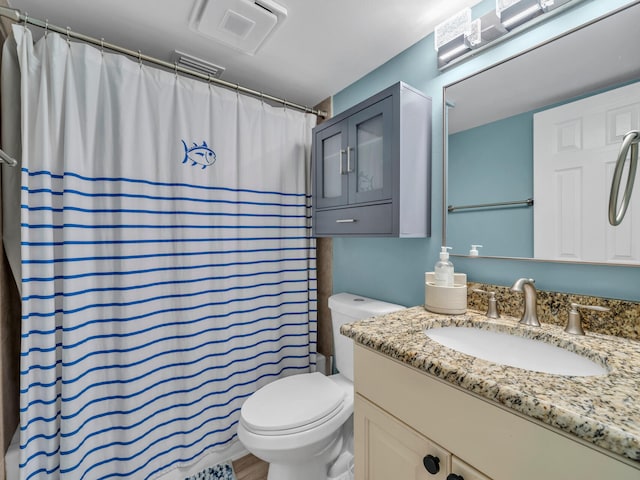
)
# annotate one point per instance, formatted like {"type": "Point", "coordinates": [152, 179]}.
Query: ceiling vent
{"type": "Point", "coordinates": [194, 63]}
{"type": "Point", "coordinates": [240, 24]}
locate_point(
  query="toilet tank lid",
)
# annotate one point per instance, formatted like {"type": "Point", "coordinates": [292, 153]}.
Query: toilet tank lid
{"type": "Point", "coordinates": [357, 306]}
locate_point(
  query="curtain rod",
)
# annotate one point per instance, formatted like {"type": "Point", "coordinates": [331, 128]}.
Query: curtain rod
{"type": "Point", "coordinates": [19, 17]}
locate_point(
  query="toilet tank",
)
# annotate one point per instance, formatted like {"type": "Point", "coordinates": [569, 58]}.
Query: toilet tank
{"type": "Point", "coordinates": [346, 308]}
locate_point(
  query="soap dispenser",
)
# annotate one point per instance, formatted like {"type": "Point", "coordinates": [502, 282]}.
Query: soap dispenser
{"type": "Point", "coordinates": [445, 291]}
{"type": "Point", "coordinates": [474, 250]}
{"type": "Point", "coordinates": [444, 269]}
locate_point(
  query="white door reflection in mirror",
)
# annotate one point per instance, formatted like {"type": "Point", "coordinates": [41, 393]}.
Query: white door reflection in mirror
{"type": "Point", "coordinates": [575, 149]}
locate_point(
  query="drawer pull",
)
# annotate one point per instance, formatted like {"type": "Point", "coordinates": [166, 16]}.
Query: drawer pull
{"type": "Point", "coordinates": [432, 464]}
{"type": "Point", "coordinates": [346, 220]}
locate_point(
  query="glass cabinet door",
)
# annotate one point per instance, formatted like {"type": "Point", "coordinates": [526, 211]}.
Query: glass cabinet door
{"type": "Point", "coordinates": [369, 155]}
{"type": "Point", "coordinates": [331, 174]}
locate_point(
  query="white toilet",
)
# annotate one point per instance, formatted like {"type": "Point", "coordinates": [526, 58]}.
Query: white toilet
{"type": "Point", "coordinates": [296, 423]}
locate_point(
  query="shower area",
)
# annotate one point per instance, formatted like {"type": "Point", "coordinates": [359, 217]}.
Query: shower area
{"type": "Point", "coordinates": [157, 228]}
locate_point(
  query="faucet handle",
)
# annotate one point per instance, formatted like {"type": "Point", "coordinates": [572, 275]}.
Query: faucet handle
{"type": "Point", "coordinates": [492, 311]}
{"type": "Point", "coordinates": [574, 323]}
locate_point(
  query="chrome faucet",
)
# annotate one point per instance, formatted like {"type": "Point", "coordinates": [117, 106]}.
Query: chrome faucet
{"type": "Point", "coordinates": [530, 315]}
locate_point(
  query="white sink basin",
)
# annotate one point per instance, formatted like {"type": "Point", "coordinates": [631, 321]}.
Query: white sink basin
{"type": "Point", "coordinates": [514, 351]}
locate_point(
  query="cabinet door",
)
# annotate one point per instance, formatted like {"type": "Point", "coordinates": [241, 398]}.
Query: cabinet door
{"type": "Point", "coordinates": [331, 187]}
{"type": "Point", "coordinates": [467, 472]}
{"type": "Point", "coordinates": [369, 160]}
{"type": "Point", "coordinates": [387, 449]}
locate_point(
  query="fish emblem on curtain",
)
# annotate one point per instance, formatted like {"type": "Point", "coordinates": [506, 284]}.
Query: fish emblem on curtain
{"type": "Point", "coordinates": [199, 154]}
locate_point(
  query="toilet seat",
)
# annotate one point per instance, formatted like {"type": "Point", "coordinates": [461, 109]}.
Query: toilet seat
{"type": "Point", "coordinates": [292, 405]}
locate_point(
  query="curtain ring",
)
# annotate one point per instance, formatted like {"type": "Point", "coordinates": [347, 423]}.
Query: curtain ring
{"type": "Point", "coordinates": [176, 68]}
{"type": "Point", "coordinates": [69, 36]}
{"type": "Point", "coordinates": [140, 58]}
{"type": "Point", "coordinates": [46, 28]}
{"type": "Point", "coordinates": [26, 20]}
{"type": "Point", "coordinates": [102, 46]}
{"type": "Point", "coordinates": [209, 80]}
{"type": "Point", "coordinates": [262, 98]}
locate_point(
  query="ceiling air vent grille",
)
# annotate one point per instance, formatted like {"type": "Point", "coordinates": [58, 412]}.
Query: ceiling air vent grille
{"type": "Point", "coordinates": [243, 25]}
{"type": "Point", "coordinates": [194, 63]}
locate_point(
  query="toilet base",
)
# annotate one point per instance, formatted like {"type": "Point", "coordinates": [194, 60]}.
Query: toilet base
{"type": "Point", "coordinates": [314, 468]}
{"type": "Point", "coordinates": [307, 471]}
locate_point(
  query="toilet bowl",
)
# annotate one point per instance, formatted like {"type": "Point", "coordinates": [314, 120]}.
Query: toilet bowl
{"type": "Point", "coordinates": [296, 424]}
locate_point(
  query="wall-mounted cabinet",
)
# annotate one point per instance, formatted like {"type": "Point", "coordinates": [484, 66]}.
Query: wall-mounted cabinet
{"type": "Point", "coordinates": [372, 168]}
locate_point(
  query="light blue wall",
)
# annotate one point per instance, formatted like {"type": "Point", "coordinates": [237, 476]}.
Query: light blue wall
{"type": "Point", "coordinates": [393, 269]}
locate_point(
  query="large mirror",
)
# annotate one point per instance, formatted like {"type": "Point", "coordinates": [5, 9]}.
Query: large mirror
{"type": "Point", "coordinates": [532, 144]}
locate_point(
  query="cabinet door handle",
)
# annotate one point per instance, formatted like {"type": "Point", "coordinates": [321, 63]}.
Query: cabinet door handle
{"type": "Point", "coordinates": [349, 160]}
{"type": "Point", "coordinates": [346, 220]}
{"type": "Point", "coordinates": [342, 152]}
{"type": "Point", "coordinates": [432, 464]}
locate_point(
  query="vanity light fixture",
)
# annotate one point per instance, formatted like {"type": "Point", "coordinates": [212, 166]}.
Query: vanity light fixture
{"type": "Point", "coordinates": [514, 13]}
{"type": "Point", "coordinates": [452, 49]}
{"type": "Point", "coordinates": [474, 35]}
{"type": "Point", "coordinates": [452, 28]}
{"type": "Point", "coordinates": [456, 35]}
{"type": "Point", "coordinates": [490, 28]}
{"type": "Point", "coordinates": [459, 35]}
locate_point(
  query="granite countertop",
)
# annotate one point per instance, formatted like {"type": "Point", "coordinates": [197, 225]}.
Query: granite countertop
{"type": "Point", "coordinates": [603, 410]}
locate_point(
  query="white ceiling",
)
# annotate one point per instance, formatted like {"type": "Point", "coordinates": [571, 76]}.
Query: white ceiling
{"type": "Point", "coordinates": [322, 47]}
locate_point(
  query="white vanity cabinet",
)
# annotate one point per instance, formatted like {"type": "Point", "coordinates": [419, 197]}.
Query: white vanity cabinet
{"type": "Point", "coordinates": [388, 449]}
{"type": "Point", "coordinates": [463, 471]}
{"type": "Point", "coordinates": [402, 415]}
{"type": "Point", "coordinates": [372, 167]}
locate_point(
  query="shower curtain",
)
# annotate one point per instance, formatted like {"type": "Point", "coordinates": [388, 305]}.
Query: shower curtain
{"type": "Point", "coordinates": [167, 265]}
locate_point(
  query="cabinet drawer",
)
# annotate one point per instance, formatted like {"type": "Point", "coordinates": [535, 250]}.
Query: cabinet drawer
{"type": "Point", "coordinates": [366, 220]}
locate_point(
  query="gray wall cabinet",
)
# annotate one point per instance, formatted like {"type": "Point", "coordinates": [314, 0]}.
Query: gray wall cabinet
{"type": "Point", "coordinates": [372, 168]}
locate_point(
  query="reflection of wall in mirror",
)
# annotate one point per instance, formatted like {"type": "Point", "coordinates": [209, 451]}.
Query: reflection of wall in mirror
{"type": "Point", "coordinates": [487, 164]}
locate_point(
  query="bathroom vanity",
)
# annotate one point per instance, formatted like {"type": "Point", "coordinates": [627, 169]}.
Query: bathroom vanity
{"type": "Point", "coordinates": [423, 410]}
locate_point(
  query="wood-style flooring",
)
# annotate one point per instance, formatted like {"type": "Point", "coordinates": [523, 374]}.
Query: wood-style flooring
{"type": "Point", "coordinates": [250, 467]}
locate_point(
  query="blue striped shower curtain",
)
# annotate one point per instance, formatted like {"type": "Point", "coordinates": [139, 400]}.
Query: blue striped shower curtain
{"type": "Point", "coordinates": [167, 265]}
